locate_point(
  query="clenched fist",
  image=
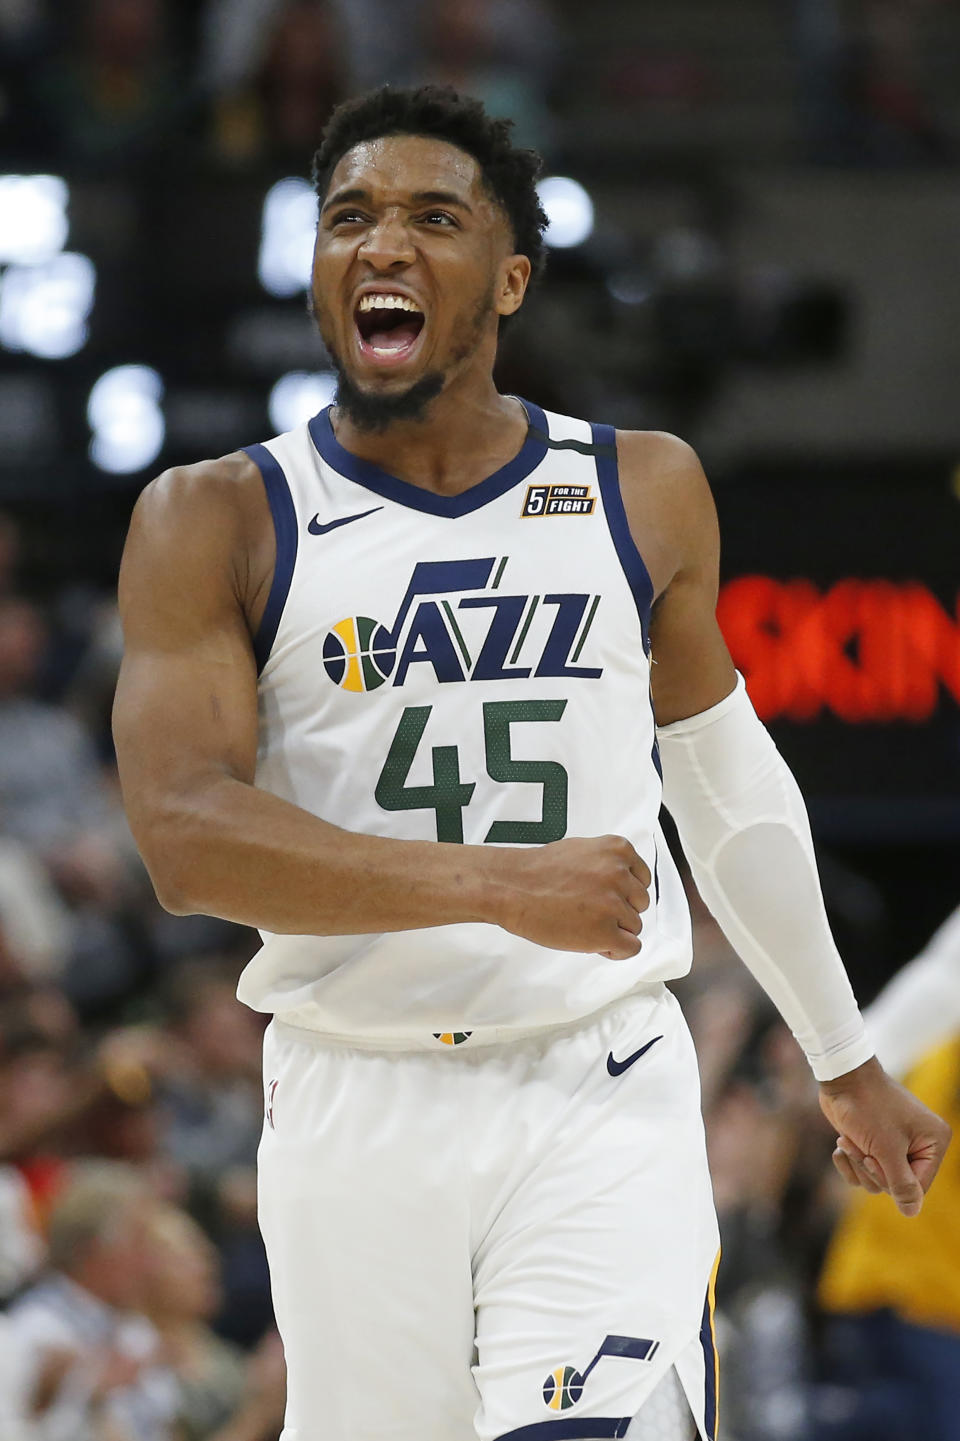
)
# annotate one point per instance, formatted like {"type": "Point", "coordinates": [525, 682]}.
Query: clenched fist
{"type": "Point", "coordinates": [887, 1140]}
{"type": "Point", "coordinates": [578, 895]}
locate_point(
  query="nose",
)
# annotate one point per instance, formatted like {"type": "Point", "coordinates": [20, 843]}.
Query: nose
{"type": "Point", "coordinates": [387, 244]}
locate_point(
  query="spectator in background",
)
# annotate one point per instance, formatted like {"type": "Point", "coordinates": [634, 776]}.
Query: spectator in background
{"type": "Point", "coordinates": [233, 39]}
{"type": "Point", "coordinates": [46, 1086]}
{"type": "Point", "coordinates": [301, 80]}
{"type": "Point", "coordinates": [21, 1248]}
{"type": "Point", "coordinates": [36, 928]}
{"type": "Point", "coordinates": [224, 1395]}
{"type": "Point", "coordinates": [185, 1100]}
{"type": "Point", "coordinates": [247, 1310]}
{"type": "Point", "coordinates": [109, 96]}
{"type": "Point", "coordinates": [862, 90]}
{"type": "Point", "coordinates": [920, 1007]}
{"type": "Point", "coordinates": [212, 1087]}
{"type": "Point", "coordinates": [212, 1091]}
{"type": "Point", "coordinates": [502, 51]}
{"type": "Point", "coordinates": [56, 801]}
{"type": "Point", "coordinates": [892, 1291]}
{"type": "Point", "coordinates": [894, 88]}
{"type": "Point", "coordinates": [62, 1094]}
{"type": "Point", "coordinates": [275, 74]}
{"type": "Point", "coordinates": [383, 41]}
{"type": "Point", "coordinates": [93, 644]}
{"type": "Point", "coordinates": [52, 795]}
{"type": "Point", "coordinates": [112, 1381]}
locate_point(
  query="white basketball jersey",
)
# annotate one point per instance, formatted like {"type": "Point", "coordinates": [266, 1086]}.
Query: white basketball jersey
{"type": "Point", "coordinates": [470, 668]}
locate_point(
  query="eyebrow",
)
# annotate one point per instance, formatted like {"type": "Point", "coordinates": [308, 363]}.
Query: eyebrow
{"type": "Point", "coordinates": [439, 197]}
{"type": "Point", "coordinates": [419, 197]}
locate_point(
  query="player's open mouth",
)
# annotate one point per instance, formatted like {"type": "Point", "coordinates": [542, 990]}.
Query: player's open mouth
{"type": "Point", "coordinates": [389, 326]}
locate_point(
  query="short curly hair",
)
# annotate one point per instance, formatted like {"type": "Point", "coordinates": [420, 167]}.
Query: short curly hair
{"type": "Point", "coordinates": [509, 173]}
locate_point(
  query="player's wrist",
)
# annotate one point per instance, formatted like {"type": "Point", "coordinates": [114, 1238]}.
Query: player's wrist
{"type": "Point", "coordinates": [866, 1075]}
{"type": "Point", "coordinates": [498, 892]}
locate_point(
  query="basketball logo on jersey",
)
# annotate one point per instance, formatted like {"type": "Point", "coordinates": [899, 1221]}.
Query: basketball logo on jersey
{"type": "Point", "coordinates": [452, 1038]}
{"type": "Point", "coordinates": [564, 1386]}
{"type": "Point", "coordinates": [558, 500]}
{"type": "Point", "coordinates": [360, 653]}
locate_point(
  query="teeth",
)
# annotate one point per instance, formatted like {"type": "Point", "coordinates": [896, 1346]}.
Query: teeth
{"type": "Point", "coordinates": [387, 302]}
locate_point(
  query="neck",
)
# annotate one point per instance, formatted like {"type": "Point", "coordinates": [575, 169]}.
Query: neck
{"type": "Point", "coordinates": [466, 435]}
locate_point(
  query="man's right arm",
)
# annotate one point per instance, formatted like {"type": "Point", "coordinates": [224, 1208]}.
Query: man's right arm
{"type": "Point", "coordinates": [185, 725]}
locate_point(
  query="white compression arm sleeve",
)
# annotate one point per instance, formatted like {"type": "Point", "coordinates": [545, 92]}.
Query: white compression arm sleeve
{"type": "Point", "coordinates": [920, 1007]}
{"type": "Point", "coordinates": [744, 829]}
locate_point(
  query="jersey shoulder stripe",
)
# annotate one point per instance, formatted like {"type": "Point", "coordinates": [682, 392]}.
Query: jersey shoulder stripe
{"type": "Point", "coordinates": [284, 517]}
{"type": "Point", "coordinates": [634, 567]}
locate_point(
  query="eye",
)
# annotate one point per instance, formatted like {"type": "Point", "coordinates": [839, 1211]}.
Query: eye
{"type": "Point", "coordinates": [347, 217]}
{"type": "Point", "coordinates": [438, 217]}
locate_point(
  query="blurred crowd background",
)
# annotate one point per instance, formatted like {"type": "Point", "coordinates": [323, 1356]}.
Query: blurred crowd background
{"type": "Point", "coordinates": [755, 222]}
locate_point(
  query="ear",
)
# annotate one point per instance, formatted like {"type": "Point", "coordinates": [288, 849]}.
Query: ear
{"type": "Point", "coordinates": [512, 280]}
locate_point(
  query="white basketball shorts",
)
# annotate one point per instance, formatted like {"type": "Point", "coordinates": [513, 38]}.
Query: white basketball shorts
{"type": "Point", "coordinates": [511, 1241]}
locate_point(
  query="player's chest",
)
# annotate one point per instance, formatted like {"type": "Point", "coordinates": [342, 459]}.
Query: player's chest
{"type": "Point", "coordinates": [501, 599]}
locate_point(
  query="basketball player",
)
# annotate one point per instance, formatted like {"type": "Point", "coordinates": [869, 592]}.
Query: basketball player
{"type": "Point", "coordinates": [387, 697]}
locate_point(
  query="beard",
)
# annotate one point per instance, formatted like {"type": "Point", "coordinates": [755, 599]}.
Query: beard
{"type": "Point", "coordinates": [374, 412]}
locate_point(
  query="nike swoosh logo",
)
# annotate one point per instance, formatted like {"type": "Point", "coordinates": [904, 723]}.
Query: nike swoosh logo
{"type": "Point", "coordinates": [315, 528]}
{"type": "Point", "coordinates": [617, 1068]}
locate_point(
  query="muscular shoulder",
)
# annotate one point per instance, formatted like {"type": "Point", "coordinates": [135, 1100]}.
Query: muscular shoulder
{"type": "Point", "coordinates": [662, 471]}
{"type": "Point", "coordinates": [668, 503]}
{"type": "Point", "coordinates": [225, 490]}
{"type": "Point", "coordinates": [206, 523]}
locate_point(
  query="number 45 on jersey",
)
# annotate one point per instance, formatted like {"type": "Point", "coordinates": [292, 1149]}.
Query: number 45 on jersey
{"type": "Point", "coordinates": [450, 794]}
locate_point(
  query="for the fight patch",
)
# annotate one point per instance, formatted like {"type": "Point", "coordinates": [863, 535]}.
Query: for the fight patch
{"type": "Point", "coordinates": [558, 500]}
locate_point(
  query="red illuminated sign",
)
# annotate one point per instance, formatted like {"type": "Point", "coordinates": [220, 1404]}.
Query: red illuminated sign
{"type": "Point", "coordinates": [867, 651]}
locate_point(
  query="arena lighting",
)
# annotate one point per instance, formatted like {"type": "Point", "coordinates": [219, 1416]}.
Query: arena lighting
{"type": "Point", "coordinates": [287, 232]}
{"type": "Point", "coordinates": [631, 287]}
{"type": "Point", "coordinates": [569, 211]}
{"type": "Point", "coordinates": [33, 218]}
{"type": "Point", "coordinates": [868, 651]}
{"type": "Point", "coordinates": [298, 395]}
{"type": "Point", "coordinates": [44, 308]}
{"type": "Point", "coordinates": [124, 413]}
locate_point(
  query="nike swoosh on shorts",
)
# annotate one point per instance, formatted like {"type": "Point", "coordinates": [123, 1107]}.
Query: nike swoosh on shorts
{"type": "Point", "coordinates": [315, 528]}
{"type": "Point", "coordinates": [617, 1068]}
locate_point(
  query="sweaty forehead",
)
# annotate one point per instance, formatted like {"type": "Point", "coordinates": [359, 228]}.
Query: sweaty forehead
{"type": "Point", "coordinates": [394, 167]}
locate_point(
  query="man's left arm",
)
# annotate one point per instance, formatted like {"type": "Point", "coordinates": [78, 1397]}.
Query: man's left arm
{"type": "Point", "coordinates": [745, 832]}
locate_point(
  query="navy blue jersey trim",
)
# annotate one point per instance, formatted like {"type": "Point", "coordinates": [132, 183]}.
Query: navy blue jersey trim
{"type": "Point", "coordinates": [608, 477]}
{"type": "Point", "coordinates": [582, 447]}
{"type": "Point", "coordinates": [584, 1428]}
{"type": "Point", "coordinates": [710, 1369]}
{"type": "Point", "coordinates": [285, 530]}
{"type": "Point", "coordinates": [371, 477]}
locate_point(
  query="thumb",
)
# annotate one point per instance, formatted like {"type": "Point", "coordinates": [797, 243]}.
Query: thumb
{"type": "Point", "coordinates": [896, 1177]}
{"type": "Point", "coordinates": [924, 1169]}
